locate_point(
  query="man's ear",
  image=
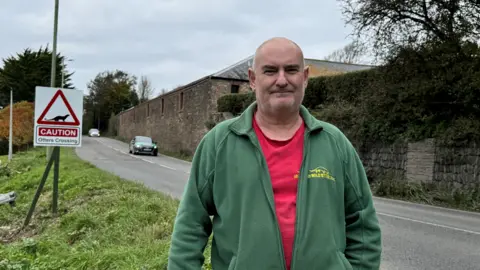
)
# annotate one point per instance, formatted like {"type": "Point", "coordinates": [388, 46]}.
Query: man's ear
{"type": "Point", "coordinates": [251, 78]}
{"type": "Point", "coordinates": [306, 74]}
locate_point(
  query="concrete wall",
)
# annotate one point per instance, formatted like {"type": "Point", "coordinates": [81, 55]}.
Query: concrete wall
{"type": "Point", "coordinates": [178, 120]}
{"type": "Point", "coordinates": [420, 161]}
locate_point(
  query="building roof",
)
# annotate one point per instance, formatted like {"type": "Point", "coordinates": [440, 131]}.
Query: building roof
{"type": "Point", "coordinates": [239, 70]}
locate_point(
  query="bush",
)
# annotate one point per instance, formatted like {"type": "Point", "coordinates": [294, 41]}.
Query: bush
{"type": "Point", "coordinates": [235, 103]}
{"type": "Point", "coordinates": [113, 122]}
{"type": "Point", "coordinates": [339, 88]}
{"type": "Point", "coordinates": [427, 92]}
{"type": "Point", "coordinates": [431, 92]}
{"type": "Point", "coordinates": [23, 114]}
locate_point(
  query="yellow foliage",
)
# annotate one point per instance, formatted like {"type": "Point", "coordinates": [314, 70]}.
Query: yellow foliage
{"type": "Point", "coordinates": [23, 113]}
{"type": "Point", "coordinates": [317, 72]}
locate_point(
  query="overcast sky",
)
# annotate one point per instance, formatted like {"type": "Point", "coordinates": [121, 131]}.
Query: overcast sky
{"type": "Point", "coordinates": [172, 42]}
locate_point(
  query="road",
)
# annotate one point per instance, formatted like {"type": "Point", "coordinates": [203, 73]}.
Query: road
{"type": "Point", "coordinates": [414, 236]}
{"type": "Point", "coordinates": [160, 173]}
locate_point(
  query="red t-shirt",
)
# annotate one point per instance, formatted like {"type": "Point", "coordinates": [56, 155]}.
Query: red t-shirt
{"type": "Point", "coordinates": [284, 159]}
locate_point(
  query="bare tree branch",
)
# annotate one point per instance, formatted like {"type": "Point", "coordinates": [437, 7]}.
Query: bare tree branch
{"type": "Point", "coordinates": [390, 24]}
{"type": "Point", "coordinates": [352, 53]}
{"type": "Point", "coordinates": [145, 89]}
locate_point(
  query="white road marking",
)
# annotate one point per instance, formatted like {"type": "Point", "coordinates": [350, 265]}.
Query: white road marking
{"type": "Point", "coordinates": [146, 160]}
{"type": "Point", "coordinates": [126, 153]}
{"type": "Point", "coordinates": [167, 167]}
{"type": "Point", "coordinates": [430, 223]}
{"type": "Point", "coordinates": [379, 213]}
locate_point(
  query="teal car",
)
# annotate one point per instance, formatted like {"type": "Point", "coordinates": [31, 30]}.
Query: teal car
{"type": "Point", "coordinates": [143, 145]}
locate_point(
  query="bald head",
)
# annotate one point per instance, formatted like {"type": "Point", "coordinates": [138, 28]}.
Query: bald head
{"type": "Point", "coordinates": [277, 43]}
{"type": "Point", "coordinates": [278, 77]}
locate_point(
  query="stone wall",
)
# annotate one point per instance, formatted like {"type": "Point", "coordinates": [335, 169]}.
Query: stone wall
{"type": "Point", "coordinates": [178, 120]}
{"type": "Point", "coordinates": [425, 161]}
{"type": "Point", "coordinates": [381, 159]}
{"type": "Point", "coordinates": [459, 166]}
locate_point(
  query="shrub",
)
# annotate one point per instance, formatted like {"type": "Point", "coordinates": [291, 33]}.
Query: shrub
{"type": "Point", "coordinates": [113, 123]}
{"type": "Point", "coordinates": [23, 114]}
{"type": "Point", "coordinates": [427, 92]}
{"type": "Point", "coordinates": [235, 103]}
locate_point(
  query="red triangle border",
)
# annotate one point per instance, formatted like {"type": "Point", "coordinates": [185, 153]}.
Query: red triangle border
{"type": "Point", "coordinates": [72, 113]}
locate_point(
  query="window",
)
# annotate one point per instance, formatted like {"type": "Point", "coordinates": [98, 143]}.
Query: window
{"type": "Point", "coordinates": [234, 89]}
{"type": "Point", "coordinates": [181, 101]}
{"type": "Point", "coordinates": [143, 139]}
{"type": "Point", "coordinates": [163, 105]}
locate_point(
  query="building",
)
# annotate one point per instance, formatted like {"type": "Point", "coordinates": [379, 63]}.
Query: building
{"type": "Point", "coordinates": [178, 120]}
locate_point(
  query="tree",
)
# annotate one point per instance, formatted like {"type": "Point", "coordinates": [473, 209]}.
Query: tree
{"type": "Point", "coordinates": [395, 24]}
{"type": "Point", "coordinates": [110, 92]}
{"type": "Point", "coordinates": [163, 91]}
{"type": "Point", "coordinates": [145, 89]}
{"type": "Point", "coordinates": [352, 53]}
{"type": "Point", "coordinates": [25, 71]}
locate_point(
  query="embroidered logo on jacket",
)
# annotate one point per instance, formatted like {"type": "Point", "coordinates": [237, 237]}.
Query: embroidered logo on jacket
{"type": "Point", "coordinates": [320, 172]}
{"type": "Point", "coordinates": [317, 173]}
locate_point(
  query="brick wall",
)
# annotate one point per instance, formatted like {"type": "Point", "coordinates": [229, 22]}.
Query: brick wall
{"type": "Point", "coordinates": [178, 120]}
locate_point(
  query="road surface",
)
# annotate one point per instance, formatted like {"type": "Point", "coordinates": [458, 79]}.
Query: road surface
{"type": "Point", "coordinates": [414, 236]}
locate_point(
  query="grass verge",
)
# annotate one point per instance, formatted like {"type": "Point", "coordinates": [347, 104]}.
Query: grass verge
{"type": "Point", "coordinates": [104, 222]}
{"type": "Point", "coordinates": [428, 193]}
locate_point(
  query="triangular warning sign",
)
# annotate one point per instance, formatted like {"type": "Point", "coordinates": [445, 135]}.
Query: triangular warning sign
{"type": "Point", "coordinates": [58, 120]}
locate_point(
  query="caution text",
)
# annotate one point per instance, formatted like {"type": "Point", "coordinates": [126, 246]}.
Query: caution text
{"type": "Point", "coordinates": [57, 132]}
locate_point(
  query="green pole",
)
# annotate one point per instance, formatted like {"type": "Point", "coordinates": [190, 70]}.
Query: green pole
{"type": "Point", "coordinates": [54, 61]}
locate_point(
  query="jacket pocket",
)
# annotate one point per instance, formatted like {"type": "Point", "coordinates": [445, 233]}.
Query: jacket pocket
{"type": "Point", "coordinates": [346, 264]}
{"type": "Point", "coordinates": [233, 263]}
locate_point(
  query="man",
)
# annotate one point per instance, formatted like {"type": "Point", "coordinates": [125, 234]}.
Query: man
{"type": "Point", "coordinates": [286, 191]}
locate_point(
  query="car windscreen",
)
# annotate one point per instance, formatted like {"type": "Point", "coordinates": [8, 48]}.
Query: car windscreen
{"type": "Point", "coordinates": [143, 140]}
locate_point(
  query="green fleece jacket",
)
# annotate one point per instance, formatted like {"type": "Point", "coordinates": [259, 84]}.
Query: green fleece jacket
{"type": "Point", "coordinates": [336, 223]}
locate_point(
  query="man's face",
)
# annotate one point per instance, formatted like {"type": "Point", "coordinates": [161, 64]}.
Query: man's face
{"type": "Point", "coordinates": [279, 77]}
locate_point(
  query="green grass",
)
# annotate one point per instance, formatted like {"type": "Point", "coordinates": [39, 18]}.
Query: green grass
{"type": "Point", "coordinates": [428, 193]}
{"type": "Point", "coordinates": [104, 221]}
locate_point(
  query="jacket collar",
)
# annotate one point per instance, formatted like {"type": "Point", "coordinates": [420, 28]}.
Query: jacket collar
{"type": "Point", "coordinates": [243, 124]}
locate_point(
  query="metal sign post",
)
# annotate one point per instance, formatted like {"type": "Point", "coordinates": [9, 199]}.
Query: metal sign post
{"type": "Point", "coordinates": [58, 123]}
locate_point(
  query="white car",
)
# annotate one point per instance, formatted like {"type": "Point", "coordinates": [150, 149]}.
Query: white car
{"type": "Point", "coordinates": [93, 132]}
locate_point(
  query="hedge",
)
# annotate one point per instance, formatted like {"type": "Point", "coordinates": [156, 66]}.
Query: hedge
{"type": "Point", "coordinates": [235, 103]}
{"type": "Point", "coordinates": [23, 114]}
{"type": "Point", "coordinates": [432, 92]}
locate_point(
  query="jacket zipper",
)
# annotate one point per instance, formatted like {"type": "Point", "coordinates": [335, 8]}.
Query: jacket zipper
{"type": "Point", "coordinates": [279, 238]}
{"type": "Point", "coordinates": [299, 192]}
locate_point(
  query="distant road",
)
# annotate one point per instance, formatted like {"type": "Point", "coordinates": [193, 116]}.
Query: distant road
{"type": "Point", "coordinates": [414, 236]}
{"type": "Point", "coordinates": [161, 173]}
